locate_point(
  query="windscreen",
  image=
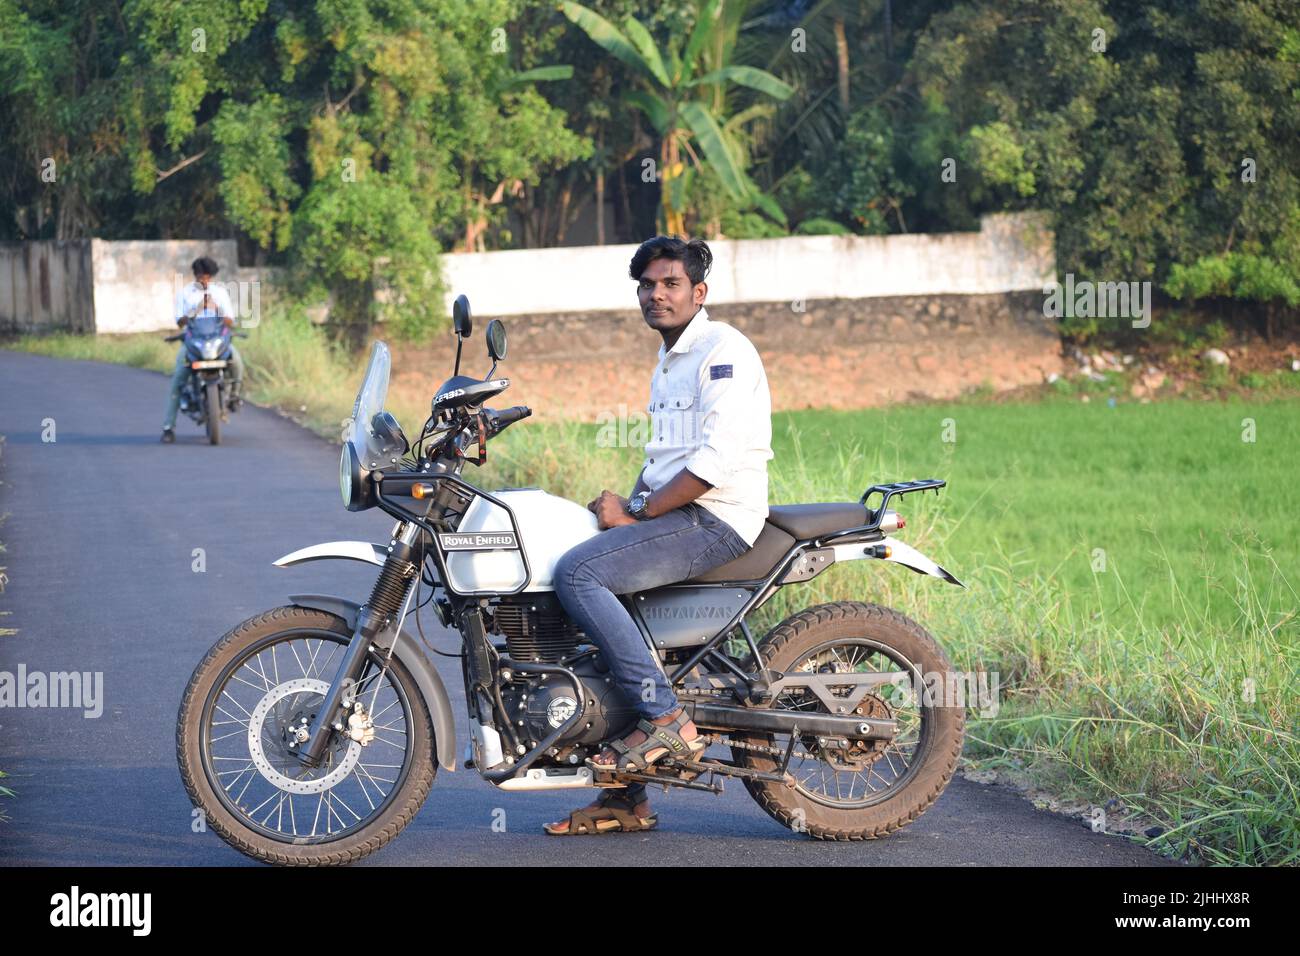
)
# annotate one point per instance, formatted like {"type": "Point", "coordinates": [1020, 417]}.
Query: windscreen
{"type": "Point", "coordinates": [370, 401]}
{"type": "Point", "coordinates": [206, 326]}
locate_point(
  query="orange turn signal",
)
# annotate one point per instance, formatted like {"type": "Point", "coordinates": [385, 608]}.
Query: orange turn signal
{"type": "Point", "coordinates": [421, 490]}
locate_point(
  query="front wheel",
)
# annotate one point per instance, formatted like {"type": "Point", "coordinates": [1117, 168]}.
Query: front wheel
{"type": "Point", "coordinates": [213, 410]}
{"type": "Point", "coordinates": [872, 788]}
{"type": "Point", "coordinates": [245, 709]}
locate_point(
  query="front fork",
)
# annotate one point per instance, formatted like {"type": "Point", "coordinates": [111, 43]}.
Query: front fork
{"type": "Point", "coordinates": [387, 606]}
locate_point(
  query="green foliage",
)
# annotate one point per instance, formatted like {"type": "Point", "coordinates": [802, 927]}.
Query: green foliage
{"type": "Point", "coordinates": [1235, 275]}
{"type": "Point", "coordinates": [687, 106]}
{"type": "Point", "coordinates": [352, 140]}
{"type": "Point", "coordinates": [1140, 149]}
{"type": "Point", "coordinates": [1160, 137]}
{"type": "Point", "coordinates": [821, 227]}
{"type": "Point", "coordinates": [1001, 158]}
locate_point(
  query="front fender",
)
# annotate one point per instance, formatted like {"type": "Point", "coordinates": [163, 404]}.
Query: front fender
{"type": "Point", "coordinates": [413, 659]}
{"type": "Point", "coordinates": [347, 550]}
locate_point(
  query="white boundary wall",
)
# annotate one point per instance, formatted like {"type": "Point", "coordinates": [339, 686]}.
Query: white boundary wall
{"type": "Point", "coordinates": [136, 281]}
{"type": "Point", "coordinates": [1011, 252]}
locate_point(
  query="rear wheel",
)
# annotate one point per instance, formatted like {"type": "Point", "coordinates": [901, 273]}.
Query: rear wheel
{"type": "Point", "coordinates": [213, 410]}
{"type": "Point", "coordinates": [874, 787]}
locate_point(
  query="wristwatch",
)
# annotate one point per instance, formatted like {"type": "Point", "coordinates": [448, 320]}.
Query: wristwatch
{"type": "Point", "coordinates": [637, 504]}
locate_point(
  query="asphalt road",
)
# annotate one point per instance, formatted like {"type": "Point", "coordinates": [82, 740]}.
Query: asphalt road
{"type": "Point", "coordinates": [101, 531]}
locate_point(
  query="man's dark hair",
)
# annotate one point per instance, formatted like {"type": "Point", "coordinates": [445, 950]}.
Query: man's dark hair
{"type": "Point", "coordinates": [204, 266]}
{"type": "Point", "coordinates": [695, 256]}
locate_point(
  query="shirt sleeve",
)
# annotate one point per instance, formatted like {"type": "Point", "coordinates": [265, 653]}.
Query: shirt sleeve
{"type": "Point", "coordinates": [729, 378]}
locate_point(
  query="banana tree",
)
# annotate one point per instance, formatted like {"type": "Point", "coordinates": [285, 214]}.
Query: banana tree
{"type": "Point", "coordinates": [684, 105]}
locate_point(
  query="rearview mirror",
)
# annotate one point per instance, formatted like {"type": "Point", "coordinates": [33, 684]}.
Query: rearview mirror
{"type": "Point", "coordinates": [389, 434]}
{"type": "Point", "coordinates": [460, 316]}
{"type": "Point", "coordinates": [496, 340]}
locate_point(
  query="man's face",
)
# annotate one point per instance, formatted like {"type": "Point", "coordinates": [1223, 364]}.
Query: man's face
{"type": "Point", "coordinates": [668, 300]}
{"type": "Point", "coordinates": [202, 278]}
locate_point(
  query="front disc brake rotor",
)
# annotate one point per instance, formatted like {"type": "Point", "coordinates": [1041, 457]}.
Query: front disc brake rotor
{"type": "Point", "coordinates": [340, 759]}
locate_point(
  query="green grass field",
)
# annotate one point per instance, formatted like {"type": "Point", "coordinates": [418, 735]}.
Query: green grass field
{"type": "Point", "coordinates": [1131, 571]}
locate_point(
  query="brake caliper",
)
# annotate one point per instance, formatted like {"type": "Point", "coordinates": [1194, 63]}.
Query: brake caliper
{"type": "Point", "coordinates": [361, 727]}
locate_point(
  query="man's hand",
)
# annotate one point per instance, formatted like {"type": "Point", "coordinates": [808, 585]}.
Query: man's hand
{"type": "Point", "coordinates": [610, 510]}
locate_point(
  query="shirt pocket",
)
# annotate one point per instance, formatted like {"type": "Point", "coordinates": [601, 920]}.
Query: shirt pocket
{"type": "Point", "coordinates": [676, 424]}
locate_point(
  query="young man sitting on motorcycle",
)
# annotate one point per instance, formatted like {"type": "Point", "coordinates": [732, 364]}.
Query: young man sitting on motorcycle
{"type": "Point", "coordinates": [699, 502]}
{"type": "Point", "coordinates": [200, 297]}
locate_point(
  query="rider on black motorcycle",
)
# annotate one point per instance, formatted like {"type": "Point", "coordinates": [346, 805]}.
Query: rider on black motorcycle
{"type": "Point", "coordinates": [201, 298]}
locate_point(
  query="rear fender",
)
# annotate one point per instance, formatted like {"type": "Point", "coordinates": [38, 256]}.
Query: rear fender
{"type": "Point", "coordinates": [899, 553]}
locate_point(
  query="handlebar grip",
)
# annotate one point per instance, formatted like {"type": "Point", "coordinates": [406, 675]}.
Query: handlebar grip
{"type": "Point", "coordinates": [512, 415]}
{"type": "Point", "coordinates": [174, 338]}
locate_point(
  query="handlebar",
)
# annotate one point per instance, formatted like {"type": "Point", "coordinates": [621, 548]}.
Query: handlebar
{"type": "Point", "coordinates": [180, 335]}
{"type": "Point", "coordinates": [499, 420]}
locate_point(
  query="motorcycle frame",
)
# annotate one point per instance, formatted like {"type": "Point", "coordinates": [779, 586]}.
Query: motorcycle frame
{"type": "Point", "coordinates": [482, 672]}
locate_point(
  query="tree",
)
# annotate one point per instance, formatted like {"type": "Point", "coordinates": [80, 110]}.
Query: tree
{"type": "Point", "coordinates": [684, 104]}
{"type": "Point", "coordinates": [1157, 133]}
{"type": "Point", "coordinates": [350, 139]}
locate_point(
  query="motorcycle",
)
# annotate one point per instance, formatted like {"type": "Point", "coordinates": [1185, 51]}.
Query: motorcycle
{"type": "Point", "coordinates": [312, 733]}
{"type": "Point", "coordinates": [205, 392]}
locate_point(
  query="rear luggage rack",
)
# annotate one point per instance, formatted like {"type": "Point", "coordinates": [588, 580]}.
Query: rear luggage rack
{"type": "Point", "coordinates": [901, 488]}
{"type": "Point", "coordinates": [886, 492]}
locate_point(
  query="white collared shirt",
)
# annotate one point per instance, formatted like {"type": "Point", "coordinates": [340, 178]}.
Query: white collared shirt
{"type": "Point", "coordinates": [190, 299]}
{"type": "Point", "coordinates": [711, 413]}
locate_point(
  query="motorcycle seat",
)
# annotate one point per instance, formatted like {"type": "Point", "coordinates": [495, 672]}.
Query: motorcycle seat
{"type": "Point", "coordinates": [785, 524]}
{"type": "Point", "coordinates": [812, 521]}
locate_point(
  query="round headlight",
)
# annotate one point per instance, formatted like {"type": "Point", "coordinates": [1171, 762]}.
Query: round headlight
{"type": "Point", "coordinates": [345, 475]}
{"type": "Point", "coordinates": [354, 480]}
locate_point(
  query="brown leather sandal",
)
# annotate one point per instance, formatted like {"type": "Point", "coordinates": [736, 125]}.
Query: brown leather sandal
{"type": "Point", "coordinates": [616, 814]}
{"type": "Point", "coordinates": [662, 740]}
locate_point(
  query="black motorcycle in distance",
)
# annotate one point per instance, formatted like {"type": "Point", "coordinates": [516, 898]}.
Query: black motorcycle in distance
{"type": "Point", "coordinates": [206, 390]}
{"type": "Point", "coordinates": [310, 734]}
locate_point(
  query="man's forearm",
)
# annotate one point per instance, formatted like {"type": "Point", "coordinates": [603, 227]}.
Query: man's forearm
{"type": "Point", "coordinates": [682, 489]}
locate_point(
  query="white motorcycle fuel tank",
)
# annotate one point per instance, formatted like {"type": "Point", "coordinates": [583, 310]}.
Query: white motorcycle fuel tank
{"type": "Point", "coordinates": [548, 527]}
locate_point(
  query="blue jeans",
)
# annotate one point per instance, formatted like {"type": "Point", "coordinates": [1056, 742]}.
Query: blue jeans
{"type": "Point", "coordinates": [673, 547]}
{"type": "Point", "coordinates": [182, 369]}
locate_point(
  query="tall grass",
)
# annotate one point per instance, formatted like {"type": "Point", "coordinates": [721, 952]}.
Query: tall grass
{"type": "Point", "coordinates": [1184, 709]}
